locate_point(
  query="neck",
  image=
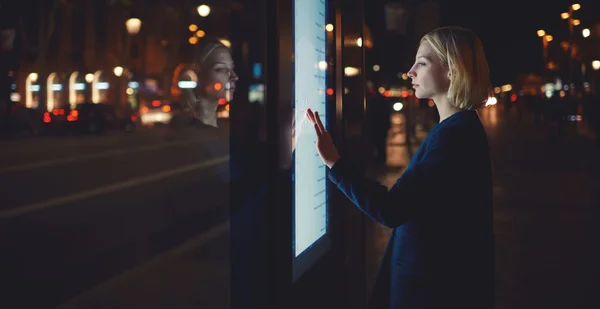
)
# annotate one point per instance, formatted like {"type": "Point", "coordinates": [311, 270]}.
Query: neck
{"type": "Point", "coordinates": [445, 109]}
{"type": "Point", "coordinates": [206, 111]}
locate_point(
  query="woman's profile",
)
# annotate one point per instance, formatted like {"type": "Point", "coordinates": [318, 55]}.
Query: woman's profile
{"type": "Point", "coordinates": [214, 67]}
{"type": "Point", "coordinates": [440, 253]}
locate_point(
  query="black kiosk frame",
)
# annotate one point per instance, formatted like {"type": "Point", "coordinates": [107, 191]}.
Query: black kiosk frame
{"type": "Point", "coordinates": [294, 274]}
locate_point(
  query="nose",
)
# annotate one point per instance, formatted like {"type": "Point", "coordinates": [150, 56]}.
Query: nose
{"type": "Point", "coordinates": [411, 73]}
{"type": "Point", "coordinates": [233, 76]}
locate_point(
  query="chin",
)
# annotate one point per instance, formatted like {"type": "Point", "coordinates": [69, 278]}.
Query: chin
{"type": "Point", "coordinates": [420, 95]}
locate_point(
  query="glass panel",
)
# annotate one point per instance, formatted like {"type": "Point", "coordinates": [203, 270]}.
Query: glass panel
{"type": "Point", "coordinates": [116, 172]}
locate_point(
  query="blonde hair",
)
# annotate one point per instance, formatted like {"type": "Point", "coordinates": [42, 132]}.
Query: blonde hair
{"type": "Point", "coordinates": [200, 65]}
{"type": "Point", "coordinates": [460, 50]}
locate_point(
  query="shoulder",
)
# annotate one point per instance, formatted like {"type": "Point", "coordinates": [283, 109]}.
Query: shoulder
{"type": "Point", "coordinates": [458, 131]}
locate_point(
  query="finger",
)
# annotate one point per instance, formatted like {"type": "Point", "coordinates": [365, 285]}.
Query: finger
{"type": "Point", "coordinates": [319, 133]}
{"type": "Point", "coordinates": [310, 116]}
{"type": "Point", "coordinates": [319, 123]}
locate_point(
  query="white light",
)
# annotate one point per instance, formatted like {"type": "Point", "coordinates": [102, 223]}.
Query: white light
{"type": "Point", "coordinates": [33, 77]}
{"type": "Point", "coordinates": [491, 101]}
{"type": "Point", "coordinates": [56, 87]}
{"type": "Point", "coordinates": [133, 25]}
{"type": "Point", "coordinates": [585, 32]}
{"type": "Point", "coordinates": [133, 85]}
{"type": "Point", "coordinates": [102, 85]}
{"type": "Point", "coordinates": [398, 106]}
{"type": "Point", "coordinates": [79, 86]}
{"type": "Point", "coordinates": [376, 68]}
{"type": "Point", "coordinates": [34, 88]}
{"type": "Point", "coordinates": [186, 84]}
{"type": "Point", "coordinates": [596, 64]}
{"type": "Point", "coordinates": [359, 42]}
{"type": "Point", "coordinates": [329, 27]}
{"type": "Point", "coordinates": [15, 97]}
{"type": "Point", "coordinates": [351, 71]}
{"type": "Point", "coordinates": [203, 10]}
{"type": "Point", "coordinates": [118, 71]}
{"type": "Point", "coordinates": [323, 65]}
{"type": "Point", "coordinates": [154, 117]}
{"type": "Point", "coordinates": [89, 77]}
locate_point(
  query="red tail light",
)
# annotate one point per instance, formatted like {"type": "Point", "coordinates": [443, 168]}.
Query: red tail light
{"type": "Point", "coordinates": [73, 115]}
{"type": "Point", "coordinates": [156, 103]}
{"type": "Point", "coordinates": [47, 118]}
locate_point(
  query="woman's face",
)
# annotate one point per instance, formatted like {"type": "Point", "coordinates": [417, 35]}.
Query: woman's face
{"type": "Point", "coordinates": [429, 76]}
{"type": "Point", "coordinates": [219, 77]}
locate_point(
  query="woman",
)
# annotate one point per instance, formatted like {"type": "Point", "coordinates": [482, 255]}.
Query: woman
{"type": "Point", "coordinates": [216, 80]}
{"type": "Point", "coordinates": [440, 254]}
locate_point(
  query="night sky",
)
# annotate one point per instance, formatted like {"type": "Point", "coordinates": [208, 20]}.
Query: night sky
{"type": "Point", "coordinates": [508, 28]}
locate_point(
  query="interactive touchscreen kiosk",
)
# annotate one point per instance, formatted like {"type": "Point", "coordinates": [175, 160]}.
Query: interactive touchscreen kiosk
{"type": "Point", "coordinates": [310, 224]}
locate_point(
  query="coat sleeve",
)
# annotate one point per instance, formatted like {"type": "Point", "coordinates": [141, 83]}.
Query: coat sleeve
{"type": "Point", "coordinates": [419, 187]}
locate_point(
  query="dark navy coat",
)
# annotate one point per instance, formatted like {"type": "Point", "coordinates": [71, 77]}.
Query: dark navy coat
{"type": "Point", "coordinates": [441, 251]}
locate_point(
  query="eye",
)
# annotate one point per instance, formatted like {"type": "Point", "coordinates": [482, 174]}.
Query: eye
{"type": "Point", "coordinates": [421, 64]}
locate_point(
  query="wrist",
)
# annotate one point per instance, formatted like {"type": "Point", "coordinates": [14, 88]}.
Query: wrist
{"type": "Point", "coordinates": [331, 163]}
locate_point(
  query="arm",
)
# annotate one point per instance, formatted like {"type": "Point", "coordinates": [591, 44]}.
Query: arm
{"type": "Point", "coordinates": [412, 192]}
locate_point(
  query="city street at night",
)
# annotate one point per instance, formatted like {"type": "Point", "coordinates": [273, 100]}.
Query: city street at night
{"type": "Point", "coordinates": [208, 154]}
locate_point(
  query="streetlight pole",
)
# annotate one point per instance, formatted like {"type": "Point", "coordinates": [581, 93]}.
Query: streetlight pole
{"type": "Point", "coordinates": [546, 38]}
{"type": "Point", "coordinates": [8, 25]}
{"type": "Point", "coordinates": [133, 26]}
{"type": "Point", "coordinates": [572, 23]}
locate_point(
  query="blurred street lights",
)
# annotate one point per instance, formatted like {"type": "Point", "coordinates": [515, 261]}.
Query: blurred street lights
{"type": "Point", "coordinates": [118, 70]}
{"type": "Point", "coordinates": [572, 23]}
{"type": "Point", "coordinates": [203, 10]}
{"type": "Point", "coordinates": [585, 32]}
{"type": "Point", "coordinates": [546, 38]}
{"type": "Point", "coordinates": [133, 26]}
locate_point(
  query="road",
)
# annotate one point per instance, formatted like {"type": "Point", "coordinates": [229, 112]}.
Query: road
{"type": "Point", "coordinates": [78, 211]}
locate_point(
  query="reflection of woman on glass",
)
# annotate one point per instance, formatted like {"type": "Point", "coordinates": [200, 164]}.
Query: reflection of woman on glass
{"type": "Point", "coordinates": [440, 253]}
{"type": "Point", "coordinates": [216, 81]}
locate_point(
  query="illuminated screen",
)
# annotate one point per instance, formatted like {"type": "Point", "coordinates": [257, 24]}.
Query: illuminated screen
{"type": "Point", "coordinates": [310, 174]}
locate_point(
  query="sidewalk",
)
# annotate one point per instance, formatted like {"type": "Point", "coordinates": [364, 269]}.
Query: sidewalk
{"type": "Point", "coordinates": [546, 215]}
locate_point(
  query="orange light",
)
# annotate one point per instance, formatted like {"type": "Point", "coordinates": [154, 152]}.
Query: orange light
{"type": "Point", "coordinates": [73, 115]}
{"type": "Point", "coordinates": [47, 118]}
{"type": "Point", "coordinates": [329, 91]}
{"type": "Point", "coordinates": [386, 93]}
{"type": "Point", "coordinates": [218, 86]}
{"type": "Point", "coordinates": [222, 101]}
{"type": "Point", "coordinates": [227, 107]}
{"type": "Point", "coordinates": [166, 108]}
{"type": "Point", "coordinates": [404, 93]}
{"type": "Point", "coordinates": [144, 109]}
{"type": "Point", "coordinates": [156, 103]}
